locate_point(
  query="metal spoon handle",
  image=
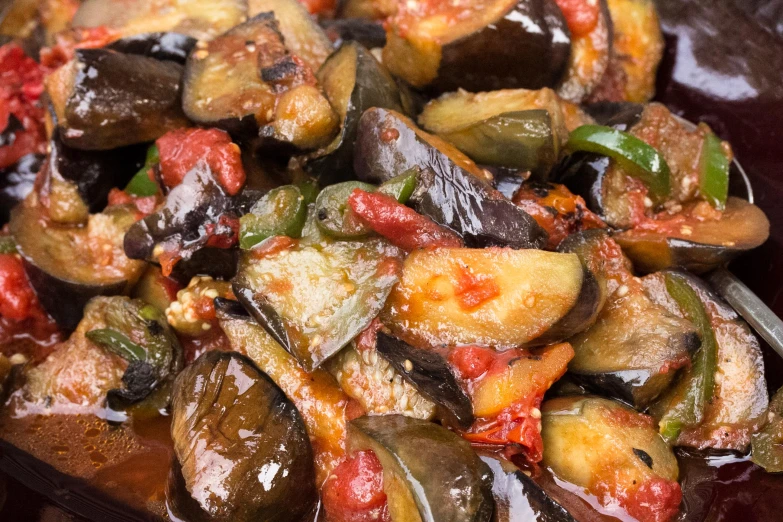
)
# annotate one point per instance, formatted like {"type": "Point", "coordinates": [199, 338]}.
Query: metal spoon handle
{"type": "Point", "coordinates": [750, 307]}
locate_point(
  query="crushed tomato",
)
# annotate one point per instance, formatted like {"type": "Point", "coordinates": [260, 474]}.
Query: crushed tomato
{"type": "Point", "coordinates": [580, 15]}
{"type": "Point", "coordinates": [354, 491]}
{"type": "Point", "coordinates": [402, 226]}
{"type": "Point", "coordinates": [180, 150]}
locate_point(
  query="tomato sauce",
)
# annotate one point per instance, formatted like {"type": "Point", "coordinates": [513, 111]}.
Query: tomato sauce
{"type": "Point", "coordinates": [580, 15]}
{"type": "Point", "coordinates": [517, 424]}
{"type": "Point", "coordinates": [471, 362]}
{"type": "Point", "coordinates": [402, 226]}
{"type": "Point", "coordinates": [354, 491]}
{"type": "Point", "coordinates": [21, 113]}
{"type": "Point", "coordinates": [67, 42]}
{"type": "Point", "coordinates": [182, 149]}
{"type": "Point", "coordinates": [473, 290]}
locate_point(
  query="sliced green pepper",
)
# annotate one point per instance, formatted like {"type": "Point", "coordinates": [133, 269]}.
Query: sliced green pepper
{"type": "Point", "coordinates": [637, 157]}
{"type": "Point", "coordinates": [141, 184]}
{"type": "Point", "coordinates": [7, 245]}
{"type": "Point", "coordinates": [281, 212]}
{"type": "Point", "coordinates": [309, 190]}
{"type": "Point", "coordinates": [400, 187]}
{"type": "Point", "coordinates": [767, 444]}
{"type": "Point", "coordinates": [332, 214]}
{"type": "Point", "coordinates": [714, 172]}
{"type": "Point", "coordinates": [694, 392]}
{"type": "Point", "coordinates": [118, 344]}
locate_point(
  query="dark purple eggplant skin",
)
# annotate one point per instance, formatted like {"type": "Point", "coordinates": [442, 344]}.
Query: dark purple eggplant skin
{"type": "Point", "coordinates": [128, 99]}
{"type": "Point", "coordinates": [173, 47]}
{"type": "Point", "coordinates": [387, 145]}
{"type": "Point", "coordinates": [218, 263]}
{"type": "Point", "coordinates": [232, 411]}
{"type": "Point", "coordinates": [16, 182]}
{"type": "Point", "coordinates": [190, 207]}
{"type": "Point", "coordinates": [518, 497]}
{"type": "Point", "coordinates": [528, 48]}
{"type": "Point", "coordinates": [94, 172]}
{"type": "Point", "coordinates": [258, 308]}
{"type": "Point", "coordinates": [369, 33]}
{"type": "Point", "coordinates": [65, 300]}
{"type": "Point", "coordinates": [8, 136]}
{"type": "Point", "coordinates": [431, 375]}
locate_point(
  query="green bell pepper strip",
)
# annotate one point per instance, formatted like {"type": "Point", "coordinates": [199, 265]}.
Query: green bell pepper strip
{"type": "Point", "coordinates": [637, 157]}
{"type": "Point", "coordinates": [400, 187]}
{"type": "Point", "coordinates": [767, 444]}
{"type": "Point", "coordinates": [141, 184]}
{"type": "Point", "coordinates": [714, 172]}
{"type": "Point", "coordinates": [696, 389]}
{"type": "Point", "coordinates": [118, 344]}
{"type": "Point", "coordinates": [280, 212]}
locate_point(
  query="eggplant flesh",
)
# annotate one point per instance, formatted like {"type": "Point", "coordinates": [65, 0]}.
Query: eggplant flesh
{"type": "Point", "coordinates": [260, 434]}
{"type": "Point", "coordinates": [16, 182]}
{"type": "Point", "coordinates": [450, 189]}
{"type": "Point", "coordinates": [497, 45]}
{"type": "Point", "coordinates": [496, 297]}
{"type": "Point", "coordinates": [430, 473]}
{"type": "Point", "coordinates": [104, 100]}
{"type": "Point", "coordinates": [518, 497]}
{"type": "Point", "coordinates": [62, 267]}
{"type": "Point", "coordinates": [174, 47]}
{"type": "Point", "coordinates": [353, 81]}
{"type": "Point", "coordinates": [431, 375]}
{"type": "Point", "coordinates": [740, 398]}
{"type": "Point", "coordinates": [315, 312]}
{"type": "Point", "coordinates": [202, 19]}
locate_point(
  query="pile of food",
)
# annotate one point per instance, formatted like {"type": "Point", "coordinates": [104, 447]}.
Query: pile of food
{"type": "Point", "coordinates": [430, 260]}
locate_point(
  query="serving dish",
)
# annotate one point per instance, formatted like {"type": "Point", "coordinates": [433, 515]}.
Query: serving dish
{"type": "Point", "coordinates": [734, 85]}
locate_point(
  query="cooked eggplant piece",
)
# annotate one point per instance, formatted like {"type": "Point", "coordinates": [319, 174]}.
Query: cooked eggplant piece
{"type": "Point", "coordinates": [104, 100]}
{"type": "Point", "coordinates": [496, 297]}
{"type": "Point", "coordinates": [16, 182]}
{"type": "Point", "coordinates": [518, 497]}
{"type": "Point", "coordinates": [316, 395]}
{"type": "Point", "coordinates": [353, 81]}
{"type": "Point", "coordinates": [93, 173]}
{"type": "Point", "coordinates": [613, 452]}
{"type": "Point", "coordinates": [246, 81]}
{"type": "Point", "coordinates": [697, 245]}
{"type": "Point", "coordinates": [303, 37]}
{"type": "Point", "coordinates": [195, 210]}
{"type": "Point", "coordinates": [478, 46]}
{"type": "Point", "coordinates": [202, 19]}
{"type": "Point", "coordinates": [174, 47]}
{"type": "Point", "coordinates": [429, 473]}
{"type": "Point", "coordinates": [389, 144]}
{"type": "Point", "coordinates": [138, 332]}
{"type": "Point", "coordinates": [591, 51]}
{"type": "Point", "coordinates": [68, 265]}
{"type": "Point", "coordinates": [521, 140]}
{"type": "Point", "coordinates": [739, 400]}
{"type": "Point", "coordinates": [430, 374]}
{"type": "Point", "coordinates": [314, 298]}
{"type": "Point", "coordinates": [637, 46]}
{"type": "Point", "coordinates": [377, 10]}
{"type": "Point", "coordinates": [635, 347]}
{"type": "Point", "coordinates": [225, 410]}
{"type": "Point", "coordinates": [77, 376]}
{"type": "Point", "coordinates": [368, 33]}
{"type": "Point", "coordinates": [373, 382]}
{"type": "Point", "coordinates": [156, 289]}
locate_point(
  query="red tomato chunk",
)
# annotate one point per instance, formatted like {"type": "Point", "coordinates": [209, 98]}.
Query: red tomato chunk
{"type": "Point", "coordinates": [354, 491]}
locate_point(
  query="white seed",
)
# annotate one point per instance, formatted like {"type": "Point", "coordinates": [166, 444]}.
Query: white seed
{"type": "Point", "coordinates": [622, 291]}
{"type": "Point", "coordinates": [535, 413]}
{"type": "Point", "coordinates": [17, 358]}
{"type": "Point", "coordinates": [408, 365]}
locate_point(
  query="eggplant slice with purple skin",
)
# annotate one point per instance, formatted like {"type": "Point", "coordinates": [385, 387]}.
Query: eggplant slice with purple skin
{"type": "Point", "coordinates": [16, 182]}
{"type": "Point", "coordinates": [429, 473]}
{"type": "Point", "coordinates": [191, 208]}
{"type": "Point", "coordinates": [173, 47]}
{"type": "Point", "coordinates": [450, 188]}
{"type": "Point", "coordinates": [104, 100]}
{"type": "Point", "coordinates": [353, 81]}
{"type": "Point", "coordinates": [431, 375]}
{"type": "Point", "coordinates": [225, 409]}
{"type": "Point", "coordinates": [63, 269]}
{"type": "Point", "coordinates": [517, 497]}
{"type": "Point", "coordinates": [480, 46]}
